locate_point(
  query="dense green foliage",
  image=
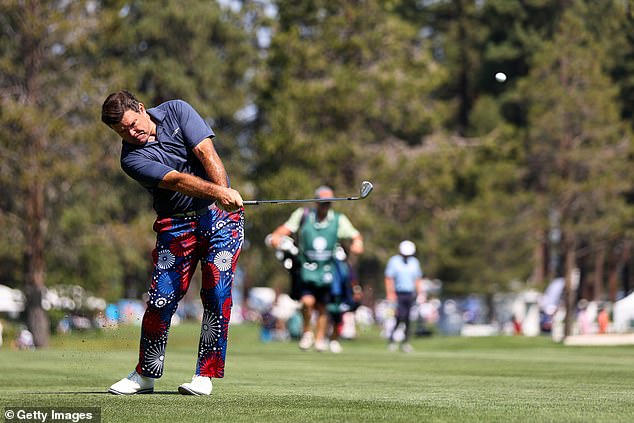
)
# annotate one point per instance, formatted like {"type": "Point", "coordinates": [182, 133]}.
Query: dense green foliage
{"type": "Point", "coordinates": [492, 379]}
{"type": "Point", "coordinates": [308, 92]}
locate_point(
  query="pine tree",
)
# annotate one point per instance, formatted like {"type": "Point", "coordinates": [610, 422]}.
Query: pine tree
{"type": "Point", "coordinates": [43, 106]}
{"type": "Point", "coordinates": [576, 148]}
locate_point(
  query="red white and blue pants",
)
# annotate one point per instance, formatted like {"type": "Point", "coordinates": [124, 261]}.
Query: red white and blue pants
{"type": "Point", "coordinates": [215, 240]}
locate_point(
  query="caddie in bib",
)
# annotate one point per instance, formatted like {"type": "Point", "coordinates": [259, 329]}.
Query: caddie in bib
{"type": "Point", "coordinates": [318, 231]}
{"type": "Point", "coordinates": [317, 242]}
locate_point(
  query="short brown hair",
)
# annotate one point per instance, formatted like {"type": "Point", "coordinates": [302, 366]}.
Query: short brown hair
{"type": "Point", "coordinates": [116, 105]}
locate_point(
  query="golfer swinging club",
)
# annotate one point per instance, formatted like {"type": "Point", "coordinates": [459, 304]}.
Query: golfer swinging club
{"type": "Point", "coordinates": [169, 150]}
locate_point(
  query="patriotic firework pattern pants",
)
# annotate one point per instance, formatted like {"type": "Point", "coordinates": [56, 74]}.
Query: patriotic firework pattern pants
{"type": "Point", "coordinates": [215, 240]}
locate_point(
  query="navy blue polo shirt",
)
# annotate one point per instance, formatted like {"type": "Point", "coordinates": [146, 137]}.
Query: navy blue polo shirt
{"type": "Point", "coordinates": [179, 128]}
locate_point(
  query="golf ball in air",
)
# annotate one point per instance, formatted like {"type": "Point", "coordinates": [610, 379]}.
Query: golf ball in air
{"type": "Point", "coordinates": [500, 77]}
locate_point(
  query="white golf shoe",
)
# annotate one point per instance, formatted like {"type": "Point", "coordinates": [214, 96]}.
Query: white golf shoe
{"type": "Point", "coordinates": [321, 345]}
{"type": "Point", "coordinates": [407, 348]}
{"type": "Point", "coordinates": [335, 346]}
{"type": "Point", "coordinates": [307, 341]}
{"type": "Point", "coordinates": [200, 385]}
{"type": "Point", "coordinates": [133, 384]}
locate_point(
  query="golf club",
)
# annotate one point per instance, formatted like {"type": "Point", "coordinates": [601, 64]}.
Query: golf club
{"type": "Point", "coordinates": [366, 188]}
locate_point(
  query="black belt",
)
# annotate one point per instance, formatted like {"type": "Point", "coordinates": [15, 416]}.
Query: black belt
{"type": "Point", "coordinates": [193, 213]}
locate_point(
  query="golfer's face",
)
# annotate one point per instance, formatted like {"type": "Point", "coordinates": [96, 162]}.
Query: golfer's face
{"type": "Point", "coordinates": [135, 127]}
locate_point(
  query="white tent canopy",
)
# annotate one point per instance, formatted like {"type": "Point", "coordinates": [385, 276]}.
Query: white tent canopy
{"type": "Point", "coordinates": [11, 300]}
{"type": "Point", "coordinates": [624, 314]}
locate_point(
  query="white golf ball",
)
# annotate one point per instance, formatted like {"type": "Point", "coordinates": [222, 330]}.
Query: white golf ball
{"type": "Point", "coordinates": [500, 77]}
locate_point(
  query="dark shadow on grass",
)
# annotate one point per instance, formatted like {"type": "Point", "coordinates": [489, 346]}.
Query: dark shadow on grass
{"type": "Point", "coordinates": [100, 393]}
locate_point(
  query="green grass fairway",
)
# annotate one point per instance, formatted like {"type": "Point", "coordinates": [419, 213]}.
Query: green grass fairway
{"type": "Point", "coordinates": [498, 379]}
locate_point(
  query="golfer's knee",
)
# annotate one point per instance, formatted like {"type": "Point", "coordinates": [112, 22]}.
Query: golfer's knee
{"type": "Point", "coordinates": [308, 301]}
{"type": "Point", "coordinates": [161, 303]}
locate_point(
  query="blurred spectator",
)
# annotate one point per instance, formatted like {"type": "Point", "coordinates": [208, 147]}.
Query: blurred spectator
{"type": "Point", "coordinates": [112, 315]}
{"type": "Point", "coordinates": [582, 317]}
{"type": "Point", "coordinates": [64, 326]}
{"type": "Point", "coordinates": [268, 327]}
{"type": "Point", "coordinates": [517, 325]}
{"type": "Point", "coordinates": [451, 319]}
{"type": "Point", "coordinates": [603, 318]}
{"type": "Point", "coordinates": [25, 340]}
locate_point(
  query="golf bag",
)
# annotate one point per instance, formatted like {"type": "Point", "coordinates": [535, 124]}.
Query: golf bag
{"type": "Point", "coordinates": [342, 299]}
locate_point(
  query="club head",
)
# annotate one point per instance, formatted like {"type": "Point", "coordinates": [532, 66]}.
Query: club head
{"type": "Point", "coordinates": [366, 188]}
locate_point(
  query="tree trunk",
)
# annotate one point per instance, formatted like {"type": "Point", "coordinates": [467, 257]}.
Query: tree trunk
{"type": "Point", "coordinates": [570, 291]}
{"type": "Point", "coordinates": [34, 263]}
{"type": "Point", "coordinates": [32, 49]}
{"type": "Point", "coordinates": [599, 263]}
{"type": "Point", "coordinates": [615, 272]}
{"type": "Point", "coordinates": [36, 317]}
{"type": "Point", "coordinates": [539, 252]}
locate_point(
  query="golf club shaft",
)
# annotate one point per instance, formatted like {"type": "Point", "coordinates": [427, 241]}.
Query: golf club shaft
{"type": "Point", "coordinates": [366, 188]}
{"type": "Point", "coordinates": [303, 200]}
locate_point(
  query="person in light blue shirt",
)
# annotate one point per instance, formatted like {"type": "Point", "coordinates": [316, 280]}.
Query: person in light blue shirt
{"type": "Point", "coordinates": [403, 285]}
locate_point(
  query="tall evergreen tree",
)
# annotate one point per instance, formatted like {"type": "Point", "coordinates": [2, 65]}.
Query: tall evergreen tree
{"type": "Point", "coordinates": [576, 144]}
{"type": "Point", "coordinates": [43, 110]}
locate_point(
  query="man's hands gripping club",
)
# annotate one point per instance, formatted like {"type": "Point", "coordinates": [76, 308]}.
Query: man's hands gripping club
{"type": "Point", "coordinates": [226, 198]}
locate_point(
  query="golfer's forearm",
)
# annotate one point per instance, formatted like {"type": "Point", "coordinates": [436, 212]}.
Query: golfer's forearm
{"type": "Point", "coordinates": [190, 185]}
{"type": "Point", "coordinates": [206, 154]}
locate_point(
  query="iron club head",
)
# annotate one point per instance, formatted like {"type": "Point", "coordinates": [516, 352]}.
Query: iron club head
{"type": "Point", "coordinates": [366, 188]}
